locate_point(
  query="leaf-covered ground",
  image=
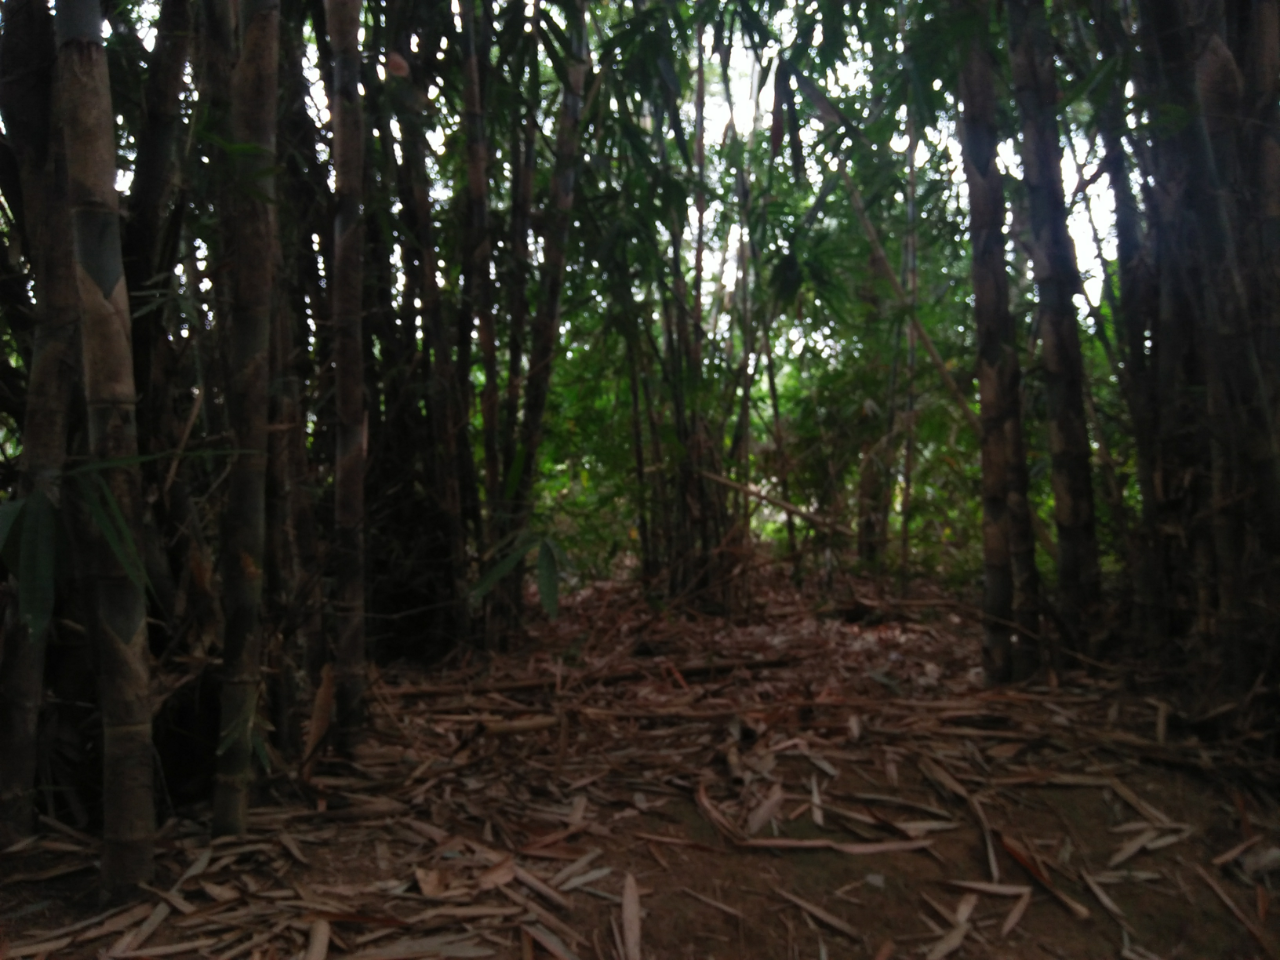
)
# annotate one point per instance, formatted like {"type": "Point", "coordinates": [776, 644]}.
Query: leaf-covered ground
{"type": "Point", "coordinates": [827, 780]}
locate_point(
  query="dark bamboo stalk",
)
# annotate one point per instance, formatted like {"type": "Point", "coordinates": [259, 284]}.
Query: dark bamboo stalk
{"type": "Point", "coordinates": [912, 287]}
{"type": "Point", "coordinates": [648, 565]}
{"type": "Point", "coordinates": [476, 307]}
{"type": "Point", "coordinates": [523, 164]}
{"type": "Point", "coordinates": [119, 606]}
{"type": "Point", "coordinates": [343, 19]}
{"type": "Point", "coordinates": [1010, 584]}
{"type": "Point", "coordinates": [1057, 282]}
{"type": "Point", "coordinates": [253, 255]}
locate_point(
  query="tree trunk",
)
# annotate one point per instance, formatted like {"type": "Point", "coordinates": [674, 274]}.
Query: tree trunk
{"type": "Point", "coordinates": [1057, 281]}
{"type": "Point", "coordinates": [1010, 587]}
{"type": "Point", "coordinates": [27, 54]}
{"type": "Point", "coordinates": [476, 305]}
{"type": "Point", "coordinates": [648, 565]}
{"type": "Point", "coordinates": [872, 471]}
{"type": "Point", "coordinates": [343, 18]}
{"type": "Point", "coordinates": [253, 255]}
{"type": "Point", "coordinates": [119, 606]}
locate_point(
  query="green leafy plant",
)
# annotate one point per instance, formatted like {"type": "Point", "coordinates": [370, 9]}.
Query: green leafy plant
{"type": "Point", "coordinates": [551, 561]}
{"type": "Point", "coordinates": [29, 546]}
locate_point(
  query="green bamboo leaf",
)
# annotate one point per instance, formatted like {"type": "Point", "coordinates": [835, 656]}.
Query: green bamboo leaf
{"type": "Point", "coordinates": [548, 579]}
{"type": "Point", "coordinates": [502, 567]}
{"type": "Point", "coordinates": [109, 519]}
{"type": "Point", "coordinates": [562, 558]}
{"type": "Point", "coordinates": [261, 752]}
{"type": "Point", "coordinates": [11, 519]}
{"type": "Point", "coordinates": [238, 727]}
{"type": "Point", "coordinates": [37, 564]}
{"type": "Point", "coordinates": [513, 475]}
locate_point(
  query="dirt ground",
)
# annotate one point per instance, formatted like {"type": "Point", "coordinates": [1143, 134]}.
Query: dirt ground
{"type": "Point", "coordinates": [830, 782]}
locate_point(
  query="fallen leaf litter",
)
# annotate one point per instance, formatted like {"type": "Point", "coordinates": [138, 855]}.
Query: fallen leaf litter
{"type": "Point", "coordinates": [481, 815]}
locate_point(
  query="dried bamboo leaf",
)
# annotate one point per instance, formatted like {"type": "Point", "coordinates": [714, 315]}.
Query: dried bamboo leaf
{"type": "Point", "coordinates": [994, 889]}
{"type": "Point", "coordinates": [815, 911]}
{"type": "Point", "coordinates": [591, 876]}
{"type": "Point", "coordinates": [1224, 858]}
{"type": "Point", "coordinates": [915, 829]}
{"type": "Point", "coordinates": [1168, 840]}
{"type": "Point", "coordinates": [950, 943]}
{"type": "Point", "coordinates": [1024, 858]}
{"type": "Point", "coordinates": [500, 874]}
{"type": "Point", "coordinates": [1015, 915]}
{"type": "Point", "coordinates": [766, 810]}
{"type": "Point", "coordinates": [1132, 848]}
{"type": "Point", "coordinates": [1108, 904]}
{"type": "Point", "coordinates": [549, 941]}
{"type": "Point", "coordinates": [575, 868]}
{"type": "Point", "coordinates": [295, 851]}
{"type": "Point", "coordinates": [321, 717]}
{"type": "Point", "coordinates": [823, 764]}
{"type": "Point", "coordinates": [35, 949]}
{"type": "Point", "coordinates": [940, 776]}
{"type": "Point", "coordinates": [993, 865]}
{"type": "Point", "coordinates": [547, 918]}
{"type": "Point", "coordinates": [718, 819]}
{"type": "Point", "coordinates": [136, 938]}
{"type": "Point", "coordinates": [116, 923]}
{"type": "Point", "coordinates": [1141, 806]}
{"type": "Point", "coordinates": [893, 801]}
{"type": "Point", "coordinates": [318, 941]}
{"type": "Point", "coordinates": [724, 908]}
{"type": "Point", "coordinates": [885, 846]}
{"type": "Point", "coordinates": [631, 918]}
{"type": "Point", "coordinates": [672, 841]}
{"type": "Point", "coordinates": [219, 892]}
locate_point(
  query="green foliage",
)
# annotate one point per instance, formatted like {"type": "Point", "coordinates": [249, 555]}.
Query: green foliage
{"type": "Point", "coordinates": [29, 536]}
{"type": "Point", "coordinates": [92, 491]}
{"type": "Point", "coordinates": [551, 562]}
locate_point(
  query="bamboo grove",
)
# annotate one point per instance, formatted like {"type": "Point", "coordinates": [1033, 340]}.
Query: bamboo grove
{"type": "Point", "coordinates": [329, 325]}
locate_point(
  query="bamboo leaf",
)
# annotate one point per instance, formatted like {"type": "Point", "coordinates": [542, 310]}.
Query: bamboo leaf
{"type": "Point", "coordinates": [261, 752]}
{"type": "Point", "coordinates": [549, 579]}
{"type": "Point", "coordinates": [502, 567]}
{"type": "Point", "coordinates": [11, 519]}
{"type": "Point", "coordinates": [109, 519]}
{"type": "Point", "coordinates": [37, 564]}
{"type": "Point", "coordinates": [237, 727]}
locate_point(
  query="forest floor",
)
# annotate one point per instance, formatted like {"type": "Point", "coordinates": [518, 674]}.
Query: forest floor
{"type": "Point", "coordinates": [821, 782]}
